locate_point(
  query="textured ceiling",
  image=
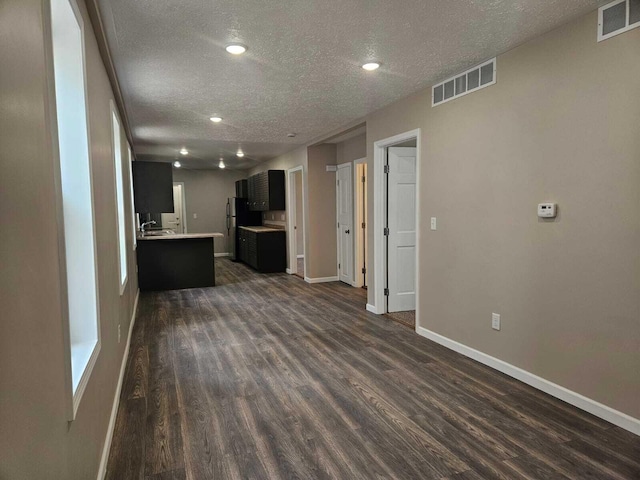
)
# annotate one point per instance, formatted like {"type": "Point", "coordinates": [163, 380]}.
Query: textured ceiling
{"type": "Point", "coordinates": [302, 70]}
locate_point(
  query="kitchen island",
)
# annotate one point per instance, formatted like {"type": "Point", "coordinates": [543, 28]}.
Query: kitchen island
{"type": "Point", "coordinates": [170, 261]}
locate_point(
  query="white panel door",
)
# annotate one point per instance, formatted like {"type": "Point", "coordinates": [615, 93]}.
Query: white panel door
{"type": "Point", "coordinates": [401, 218]}
{"type": "Point", "coordinates": [174, 220]}
{"type": "Point", "coordinates": [344, 187]}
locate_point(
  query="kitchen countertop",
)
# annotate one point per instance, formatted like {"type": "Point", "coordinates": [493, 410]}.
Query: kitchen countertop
{"type": "Point", "coordinates": [262, 229]}
{"type": "Point", "coordinates": [179, 236]}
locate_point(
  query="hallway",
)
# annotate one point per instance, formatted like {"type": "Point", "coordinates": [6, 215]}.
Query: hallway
{"type": "Point", "coordinates": [266, 376]}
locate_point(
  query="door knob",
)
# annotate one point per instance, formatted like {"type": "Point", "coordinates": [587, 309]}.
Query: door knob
{"type": "Point", "coordinates": [347, 231]}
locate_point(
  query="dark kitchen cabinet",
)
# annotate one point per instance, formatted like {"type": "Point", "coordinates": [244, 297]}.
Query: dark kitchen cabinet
{"type": "Point", "coordinates": [242, 189]}
{"type": "Point", "coordinates": [264, 251]}
{"type": "Point", "coordinates": [152, 187]}
{"type": "Point", "coordinates": [266, 191]}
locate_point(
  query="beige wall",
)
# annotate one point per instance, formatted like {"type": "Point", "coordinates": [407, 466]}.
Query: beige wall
{"type": "Point", "coordinates": [36, 440]}
{"type": "Point", "coordinates": [206, 194]}
{"type": "Point", "coordinates": [353, 149]}
{"type": "Point", "coordinates": [560, 125]}
{"type": "Point", "coordinates": [321, 250]}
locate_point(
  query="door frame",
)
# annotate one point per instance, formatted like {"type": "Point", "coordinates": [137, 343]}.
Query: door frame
{"type": "Point", "coordinates": [291, 220]}
{"type": "Point", "coordinates": [379, 212]}
{"type": "Point", "coordinates": [352, 280]}
{"type": "Point", "coordinates": [184, 206]}
{"type": "Point", "coordinates": [360, 260]}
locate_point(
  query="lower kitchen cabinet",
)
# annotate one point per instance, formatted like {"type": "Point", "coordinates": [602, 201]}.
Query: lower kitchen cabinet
{"type": "Point", "coordinates": [263, 250]}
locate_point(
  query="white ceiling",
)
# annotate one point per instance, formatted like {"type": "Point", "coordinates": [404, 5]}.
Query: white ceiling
{"type": "Point", "coordinates": [302, 70]}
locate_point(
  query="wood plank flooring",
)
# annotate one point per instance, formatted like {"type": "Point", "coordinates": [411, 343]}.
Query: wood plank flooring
{"type": "Point", "coordinates": [267, 377]}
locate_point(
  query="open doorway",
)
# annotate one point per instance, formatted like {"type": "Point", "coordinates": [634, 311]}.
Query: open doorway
{"type": "Point", "coordinates": [396, 210]}
{"type": "Point", "coordinates": [296, 221]}
{"type": "Point", "coordinates": [176, 221]}
{"type": "Point", "coordinates": [360, 227]}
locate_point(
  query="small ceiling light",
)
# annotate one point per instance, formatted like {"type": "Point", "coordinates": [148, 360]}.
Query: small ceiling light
{"type": "Point", "coordinates": [184, 151]}
{"type": "Point", "coordinates": [177, 164]}
{"type": "Point", "coordinates": [236, 48]}
{"type": "Point", "coordinates": [221, 164]}
{"type": "Point", "coordinates": [216, 119]}
{"type": "Point", "coordinates": [291, 135]}
{"type": "Point", "coordinates": [371, 66]}
{"type": "Point", "coordinates": [240, 154]}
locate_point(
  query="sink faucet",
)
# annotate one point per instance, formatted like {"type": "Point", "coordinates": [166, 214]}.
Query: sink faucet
{"type": "Point", "coordinates": [152, 222]}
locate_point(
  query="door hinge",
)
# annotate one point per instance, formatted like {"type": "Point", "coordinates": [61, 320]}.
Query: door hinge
{"type": "Point", "coordinates": [339, 266]}
{"type": "Point", "coordinates": [386, 169]}
{"type": "Point", "coordinates": [364, 225]}
{"type": "Point", "coordinates": [364, 270]}
{"type": "Point", "coordinates": [386, 292]}
{"type": "Point", "coordinates": [363, 179]}
{"type": "Point", "coordinates": [338, 182]}
{"type": "Point", "coordinates": [386, 231]}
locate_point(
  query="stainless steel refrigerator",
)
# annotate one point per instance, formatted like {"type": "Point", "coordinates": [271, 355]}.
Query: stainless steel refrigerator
{"type": "Point", "coordinates": [239, 215]}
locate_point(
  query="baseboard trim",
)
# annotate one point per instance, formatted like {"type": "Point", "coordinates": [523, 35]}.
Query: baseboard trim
{"type": "Point", "coordinates": [288, 270]}
{"type": "Point", "coordinates": [321, 279]}
{"type": "Point", "coordinates": [217, 255]}
{"type": "Point", "coordinates": [300, 256]}
{"type": "Point", "coordinates": [102, 470]}
{"type": "Point", "coordinates": [600, 410]}
{"type": "Point", "coordinates": [372, 309]}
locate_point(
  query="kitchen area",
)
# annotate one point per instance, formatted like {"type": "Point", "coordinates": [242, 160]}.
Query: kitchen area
{"type": "Point", "coordinates": [172, 255]}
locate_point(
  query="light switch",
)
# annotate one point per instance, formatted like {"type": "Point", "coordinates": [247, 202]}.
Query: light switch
{"type": "Point", "coordinates": [195, 215]}
{"type": "Point", "coordinates": [495, 321]}
{"type": "Point", "coordinates": [434, 224]}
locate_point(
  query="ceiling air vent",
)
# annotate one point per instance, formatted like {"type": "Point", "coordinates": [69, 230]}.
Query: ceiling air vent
{"type": "Point", "coordinates": [474, 79]}
{"type": "Point", "coordinates": [618, 17]}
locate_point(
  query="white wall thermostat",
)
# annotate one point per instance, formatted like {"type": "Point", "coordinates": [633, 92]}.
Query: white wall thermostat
{"type": "Point", "coordinates": [547, 210]}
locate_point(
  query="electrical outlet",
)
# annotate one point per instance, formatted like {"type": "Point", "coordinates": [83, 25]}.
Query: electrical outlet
{"type": "Point", "coordinates": [118, 333]}
{"type": "Point", "coordinates": [273, 217]}
{"type": "Point", "coordinates": [195, 215]}
{"type": "Point", "coordinates": [434, 223]}
{"type": "Point", "coordinates": [495, 321]}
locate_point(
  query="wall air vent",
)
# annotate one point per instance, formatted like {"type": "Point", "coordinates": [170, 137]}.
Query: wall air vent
{"type": "Point", "coordinates": [618, 17]}
{"type": "Point", "coordinates": [474, 79]}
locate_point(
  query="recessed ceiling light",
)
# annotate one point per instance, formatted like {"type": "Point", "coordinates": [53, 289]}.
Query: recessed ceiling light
{"type": "Point", "coordinates": [236, 48]}
{"type": "Point", "coordinates": [371, 66]}
{"type": "Point", "coordinates": [177, 164]}
{"type": "Point", "coordinates": [184, 151]}
{"type": "Point", "coordinates": [216, 119]}
{"type": "Point", "coordinates": [291, 135]}
{"type": "Point", "coordinates": [221, 164]}
{"type": "Point", "coordinates": [240, 154]}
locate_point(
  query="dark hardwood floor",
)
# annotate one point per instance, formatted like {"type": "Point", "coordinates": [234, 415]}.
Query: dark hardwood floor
{"type": "Point", "coordinates": [267, 377]}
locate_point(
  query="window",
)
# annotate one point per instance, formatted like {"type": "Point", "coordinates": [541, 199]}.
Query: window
{"type": "Point", "coordinates": [467, 82]}
{"type": "Point", "coordinates": [76, 192]}
{"type": "Point", "coordinates": [618, 17]}
{"type": "Point", "coordinates": [122, 231]}
{"type": "Point", "coordinates": [134, 218]}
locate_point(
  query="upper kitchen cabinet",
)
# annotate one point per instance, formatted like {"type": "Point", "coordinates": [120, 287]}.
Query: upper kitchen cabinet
{"type": "Point", "coordinates": [266, 191]}
{"type": "Point", "coordinates": [152, 187]}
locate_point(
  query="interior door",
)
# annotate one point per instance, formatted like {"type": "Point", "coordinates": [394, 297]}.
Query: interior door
{"type": "Point", "coordinates": [174, 220]}
{"type": "Point", "coordinates": [344, 188]}
{"type": "Point", "coordinates": [401, 221]}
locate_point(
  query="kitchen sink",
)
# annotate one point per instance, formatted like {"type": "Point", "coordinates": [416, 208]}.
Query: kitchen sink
{"type": "Point", "coordinates": [158, 233]}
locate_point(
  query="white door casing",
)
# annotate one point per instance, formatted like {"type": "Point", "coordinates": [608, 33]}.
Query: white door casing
{"type": "Point", "coordinates": [401, 215]}
{"type": "Point", "coordinates": [292, 213]}
{"type": "Point", "coordinates": [175, 220]}
{"type": "Point", "coordinates": [344, 202]}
